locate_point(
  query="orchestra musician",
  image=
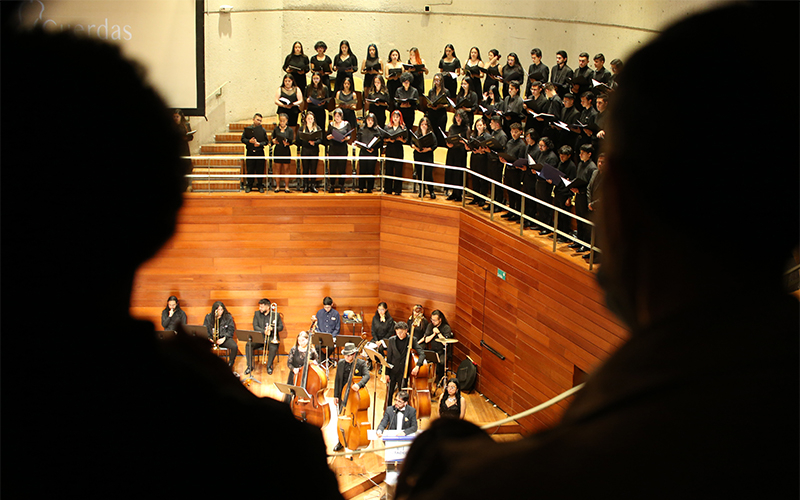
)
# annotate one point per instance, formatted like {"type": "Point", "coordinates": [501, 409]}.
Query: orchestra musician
{"type": "Point", "coordinates": [396, 353]}
{"type": "Point", "coordinates": [327, 318]}
{"type": "Point", "coordinates": [172, 315]}
{"type": "Point", "coordinates": [297, 358]}
{"type": "Point", "coordinates": [437, 326]}
{"type": "Point", "coordinates": [220, 318]}
{"type": "Point", "coordinates": [263, 319]}
{"type": "Point", "coordinates": [343, 369]}
{"type": "Point", "coordinates": [399, 417]}
{"type": "Point", "coordinates": [418, 320]}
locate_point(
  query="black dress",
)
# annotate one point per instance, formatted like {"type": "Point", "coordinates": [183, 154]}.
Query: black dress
{"type": "Point", "coordinates": [438, 117]}
{"type": "Point", "coordinates": [366, 159]}
{"type": "Point", "coordinates": [450, 411]}
{"type": "Point", "coordinates": [426, 157]}
{"type": "Point", "coordinates": [342, 66]}
{"type": "Point", "coordinates": [412, 95]}
{"type": "Point", "coordinates": [379, 108]}
{"type": "Point", "coordinates": [319, 112]}
{"type": "Point", "coordinates": [336, 148]}
{"type": "Point", "coordinates": [487, 84]}
{"type": "Point", "coordinates": [511, 73]}
{"type": "Point", "coordinates": [292, 112]}
{"type": "Point", "coordinates": [279, 149]}
{"type": "Point", "coordinates": [456, 157]}
{"type": "Point", "coordinates": [449, 82]}
{"type": "Point", "coordinates": [349, 114]}
{"type": "Point", "coordinates": [322, 66]}
{"type": "Point", "coordinates": [394, 168]}
{"type": "Point", "coordinates": [298, 77]}
{"type": "Point", "coordinates": [479, 163]}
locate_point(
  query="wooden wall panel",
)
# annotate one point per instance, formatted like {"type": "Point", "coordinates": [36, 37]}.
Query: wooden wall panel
{"type": "Point", "coordinates": [547, 317]}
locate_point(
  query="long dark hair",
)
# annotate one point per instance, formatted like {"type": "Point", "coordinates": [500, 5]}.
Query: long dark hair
{"type": "Point", "coordinates": [398, 55]}
{"type": "Point", "coordinates": [437, 312]}
{"type": "Point", "coordinates": [477, 50]}
{"type": "Point", "coordinates": [445, 394]}
{"type": "Point", "coordinates": [216, 305]}
{"type": "Point", "coordinates": [177, 303]}
{"type": "Point", "coordinates": [316, 91]}
{"type": "Point", "coordinates": [301, 48]}
{"type": "Point", "coordinates": [368, 57]}
{"type": "Point", "coordinates": [444, 53]}
{"type": "Point", "coordinates": [383, 90]}
{"type": "Point", "coordinates": [349, 50]}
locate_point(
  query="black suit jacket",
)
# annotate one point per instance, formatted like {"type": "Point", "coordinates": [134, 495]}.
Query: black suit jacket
{"type": "Point", "coordinates": [389, 420]}
{"type": "Point", "coordinates": [261, 136]}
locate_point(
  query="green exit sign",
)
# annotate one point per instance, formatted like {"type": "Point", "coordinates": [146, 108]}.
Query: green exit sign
{"type": "Point", "coordinates": [501, 274]}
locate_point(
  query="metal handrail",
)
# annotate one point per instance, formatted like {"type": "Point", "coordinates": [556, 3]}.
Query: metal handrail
{"type": "Point", "coordinates": [490, 198]}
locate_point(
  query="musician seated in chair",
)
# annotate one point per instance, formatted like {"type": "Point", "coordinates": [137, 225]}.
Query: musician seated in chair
{"type": "Point", "coordinates": [263, 319]}
{"type": "Point", "coordinates": [437, 327]}
{"type": "Point", "coordinates": [328, 320]}
{"type": "Point", "coordinates": [399, 417]}
{"type": "Point", "coordinates": [220, 319]}
{"type": "Point", "coordinates": [343, 370]}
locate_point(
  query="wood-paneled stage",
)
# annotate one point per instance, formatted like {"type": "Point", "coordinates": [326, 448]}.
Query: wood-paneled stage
{"type": "Point", "coordinates": [534, 321]}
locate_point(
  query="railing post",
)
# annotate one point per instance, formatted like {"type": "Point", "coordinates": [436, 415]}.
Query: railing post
{"type": "Point", "coordinates": [555, 229]}
{"type": "Point", "coordinates": [464, 188]}
{"type": "Point", "coordinates": [591, 249]}
{"type": "Point", "coordinates": [422, 181]}
{"type": "Point", "coordinates": [521, 215]}
{"type": "Point", "coordinates": [491, 201]}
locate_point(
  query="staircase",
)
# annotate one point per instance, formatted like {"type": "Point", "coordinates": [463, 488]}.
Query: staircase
{"type": "Point", "coordinates": [225, 144]}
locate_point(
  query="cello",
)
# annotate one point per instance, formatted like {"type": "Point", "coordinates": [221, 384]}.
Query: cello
{"type": "Point", "coordinates": [313, 379]}
{"type": "Point", "coordinates": [354, 417]}
{"type": "Point", "coordinates": [417, 386]}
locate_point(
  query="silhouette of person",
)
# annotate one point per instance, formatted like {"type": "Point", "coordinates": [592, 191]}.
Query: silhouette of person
{"type": "Point", "coordinates": [702, 400]}
{"type": "Point", "coordinates": [153, 417]}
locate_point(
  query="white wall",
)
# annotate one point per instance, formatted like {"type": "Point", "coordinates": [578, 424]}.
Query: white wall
{"type": "Point", "coordinates": [247, 46]}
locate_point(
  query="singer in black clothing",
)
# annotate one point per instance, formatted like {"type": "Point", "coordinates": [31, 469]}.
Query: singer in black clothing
{"type": "Point", "coordinates": [424, 155]}
{"type": "Point", "coordinates": [263, 321]}
{"type": "Point", "coordinates": [449, 65]}
{"type": "Point", "coordinates": [537, 71]}
{"type": "Point", "coordinates": [396, 355]}
{"type": "Point", "coordinates": [561, 74]}
{"type": "Point", "coordinates": [309, 149]}
{"type": "Point", "coordinates": [296, 64]}
{"type": "Point", "coordinates": [378, 101]}
{"type": "Point", "coordinates": [561, 193]}
{"type": "Point", "coordinates": [345, 63]}
{"type": "Point", "coordinates": [322, 64]}
{"type": "Point", "coordinates": [495, 167]}
{"type": "Point", "coordinates": [254, 137]}
{"type": "Point", "coordinates": [438, 114]}
{"type": "Point", "coordinates": [394, 149]}
{"type": "Point", "coordinates": [512, 178]}
{"type": "Point", "coordinates": [457, 153]}
{"type": "Point", "coordinates": [368, 156]}
{"type": "Point", "coordinates": [478, 162]}
{"type": "Point", "coordinates": [282, 138]}
{"type": "Point", "coordinates": [406, 99]}
{"type": "Point", "coordinates": [219, 315]}
{"type": "Point", "coordinates": [584, 171]}
{"type": "Point", "coordinates": [318, 91]}
{"type": "Point", "coordinates": [544, 187]}
{"type": "Point", "coordinates": [337, 148]}
{"type": "Point", "coordinates": [512, 72]}
{"type": "Point", "coordinates": [172, 315]}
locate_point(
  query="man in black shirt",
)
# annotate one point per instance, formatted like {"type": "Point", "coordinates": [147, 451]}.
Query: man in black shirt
{"type": "Point", "coordinates": [397, 354]}
{"type": "Point", "coordinates": [254, 137]}
{"type": "Point", "coordinates": [537, 71]}
{"type": "Point", "coordinates": [516, 148]}
{"type": "Point", "coordinates": [584, 171]}
{"type": "Point", "coordinates": [586, 119]}
{"type": "Point", "coordinates": [561, 193]}
{"type": "Point", "coordinates": [263, 321]}
{"type": "Point", "coordinates": [583, 72]}
{"type": "Point", "coordinates": [600, 73]}
{"type": "Point", "coordinates": [529, 176]}
{"type": "Point", "coordinates": [495, 166]}
{"type": "Point", "coordinates": [561, 74]}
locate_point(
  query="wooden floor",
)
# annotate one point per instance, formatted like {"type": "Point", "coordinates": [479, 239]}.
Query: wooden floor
{"type": "Point", "coordinates": [362, 476]}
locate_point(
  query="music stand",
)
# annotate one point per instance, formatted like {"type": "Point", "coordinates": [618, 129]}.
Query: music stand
{"type": "Point", "coordinates": [376, 358]}
{"type": "Point", "coordinates": [294, 391]}
{"type": "Point", "coordinates": [326, 341]}
{"type": "Point", "coordinates": [250, 336]}
{"type": "Point", "coordinates": [393, 458]}
{"type": "Point", "coordinates": [445, 341]}
{"type": "Point", "coordinates": [196, 331]}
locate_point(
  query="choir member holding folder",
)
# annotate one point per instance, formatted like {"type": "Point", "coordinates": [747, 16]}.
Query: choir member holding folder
{"type": "Point", "coordinates": [450, 67]}
{"type": "Point", "coordinates": [393, 68]}
{"type": "Point", "coordinates": [437, 104]}
{"type": "Point", "coordinates": [318, 96]}
{"type": "Point", "coordinates": [406, 99]}
{"type": "Point", "coordinates": [345, 63]}
{"type": "Point", "coordinates": [339, 132]}
{"type": "Point", "coordinates": [457, 137]}
{"type": "Point", "coordinates": [296, 64]}
{"type": "Point", "coordinates": [472, 69]}
{"type": "Point", "coordinates": [322, 64]}
{"type": "Point", "coordinates": [309, 139]}
{"type": "Point", "coordinates": [423, 143]}
{"type": "Point", "coordinates": [371, 66]}
{"type": "Point", "coordinates": [288, 98]}
{"type": "Point", "coordinates": [377, 101]}
{"type": "Point", "coordinates": [416, 66]}
{"type": "Point", "coordinates": [394, 136]}
{"type": "Point", "coordinates": [369, 142]}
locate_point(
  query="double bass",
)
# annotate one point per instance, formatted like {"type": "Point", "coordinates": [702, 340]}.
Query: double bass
{"type": "Point", "coordinates": [417, 386]}
{"type": "Point", "coordinates": [354, 416]}
{"type": "Point", "coordinates": [313, 379]}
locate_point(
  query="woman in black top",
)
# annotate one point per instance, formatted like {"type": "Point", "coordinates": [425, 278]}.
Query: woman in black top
{"type": "Point", "coordinates": [297, 359]}
{"type": "Point", "coordinates": [282, 137]}
{"type": "Point", "coordinates": [492, 72]}
{"type": "Point", "coordinates": [309, 148]}
{"type": "Point", "coordinates": [346, 100]}
{"type": "Point", "coordinates": [318, 91]}
{"type": "Point", "coordinates": [393, 70]}
{"type": "Point", "coordinates": [183, 128]}
{"type": "Point", "coordinates": [451, 403]}
{"type": "Point", "coordinates": [371, 67]}
{"type": "Point", "coordinates": [380, 96]}
{"type": "Point", "coordinates": [296, 64]}
{"type": "Point", "coordinates": [419, 76]}
{"type": "Point", "coordinates": [288, 98]}
{"type": "Point", "coordinates": [406, 99]}
{"type": "Point", "coordinates": [336, 148]}
{"type": "Point", "coordinates": [457, 154]}
{"type": "Point", "coordinates": [448, 64]}
{"type": "Point", "coordinates": [471, 69]}
{"type": "Point", "coordinates": [345, 63]}
{"type": "Point", "coordinates": [172, 315]}
{"type": "Point", "coordinates": [394, 149]}
{"type": "Point", "coordinates": [367, 157]}
{"type": "Point", "coordinates": [424, 155]}
{"type": "Point", "coordinates": [478, 162]}
{"type": "Point", "coordinates": [438, 114]}
{"type": "Point", "coordinates": [382, 323]}
{"type": "Point", "coordinates": [219, 316]}
{"type": "Point", "coordinates": [467, 100]}
{"type": "Point", "coordinates": [512, 71]}
{"type": "Point", "coordinates": [322, 64]}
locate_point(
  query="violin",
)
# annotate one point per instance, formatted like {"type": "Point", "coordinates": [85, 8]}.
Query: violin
{"type": "Point", "coordinates": [313, 379]}
{"type": "Point", "coordinates": [418, 386]}
{"type": "Point", "coordinates": [354, 417]}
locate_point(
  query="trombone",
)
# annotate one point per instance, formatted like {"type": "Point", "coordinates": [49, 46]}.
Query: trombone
{"type": "Point", "coordinates": [215, 333]}
{"type": "Point", "coordinates": [271, 330]}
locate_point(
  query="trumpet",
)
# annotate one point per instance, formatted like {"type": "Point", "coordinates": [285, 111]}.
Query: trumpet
{"type": "Point", "coordinates": [215, 333]}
